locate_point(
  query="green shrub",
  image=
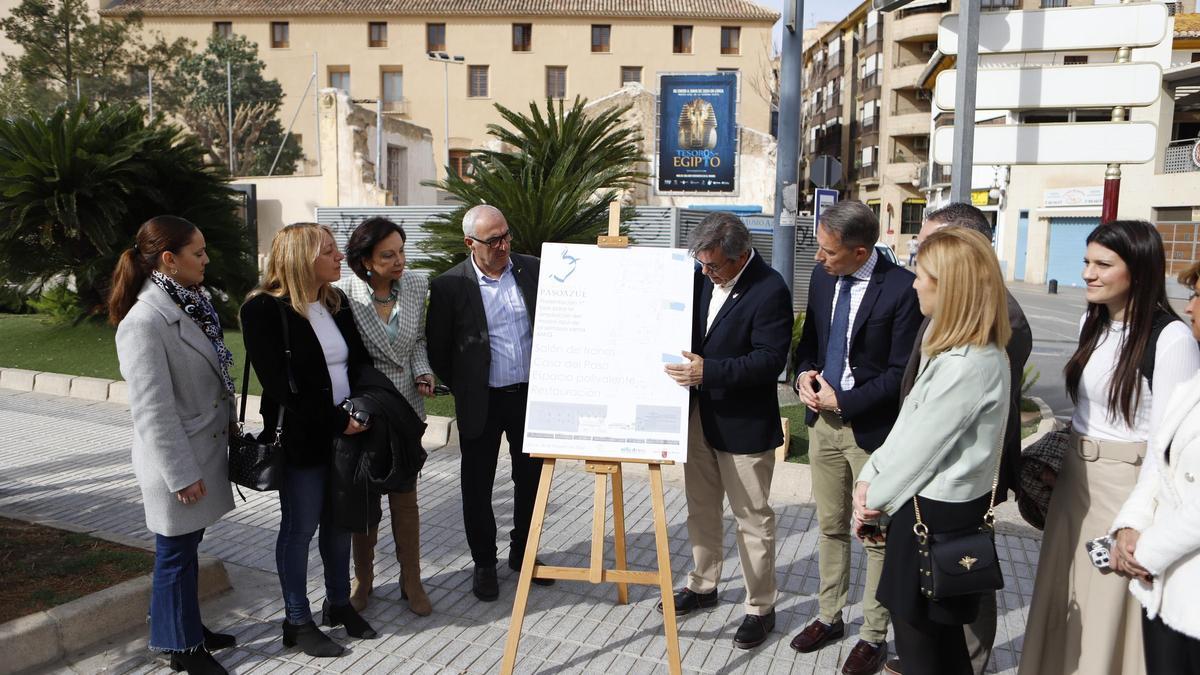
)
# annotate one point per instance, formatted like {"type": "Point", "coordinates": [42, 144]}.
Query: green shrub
{"type": "Point", "coordinates": [59, 304]}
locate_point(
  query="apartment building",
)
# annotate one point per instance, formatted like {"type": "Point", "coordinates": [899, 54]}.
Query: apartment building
{"type": "Point", "coordinates": [510, 52]}
{"type": "Point", "coordinates": [864, 106]}
{"type": "Point", "coordinates": [868, 89]}
{"type": "Point", "coordinates": [1044, 213]}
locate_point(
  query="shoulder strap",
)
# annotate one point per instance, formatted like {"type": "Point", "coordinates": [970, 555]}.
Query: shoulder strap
{"type": "Point", "coordinates": [1161, 320]}
{"type": "Point", "coordinates": [287, 359]}
{"type": "Point", "coordinates": [989, 518]}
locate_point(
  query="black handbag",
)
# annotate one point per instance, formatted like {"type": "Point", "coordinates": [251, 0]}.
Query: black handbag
{"type": "Point", "coordinates": [253, 463]}
{"type": "Point", "coordinates": [962, 562]}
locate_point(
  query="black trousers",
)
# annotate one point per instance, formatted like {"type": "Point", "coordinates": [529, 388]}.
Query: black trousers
{"type": "Point", "coordinates": [932, 648]}
{"type": "Point", "coordinates": [506, 414]}
{"type": "Point", "coordinates": [1168, 652]}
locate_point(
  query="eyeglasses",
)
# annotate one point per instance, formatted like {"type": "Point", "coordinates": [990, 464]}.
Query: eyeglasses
{"type": "Point", "coordinates": [709, 266]}
{"type": "Point", "coordinates": [494, 242]}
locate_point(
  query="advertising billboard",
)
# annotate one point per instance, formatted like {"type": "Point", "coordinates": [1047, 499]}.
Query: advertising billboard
{"type": "Point", "coordinates": [697, 133]}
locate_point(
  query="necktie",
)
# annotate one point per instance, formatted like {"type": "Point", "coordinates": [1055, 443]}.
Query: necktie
{"type": "Point", "coordinates": [835, 351]}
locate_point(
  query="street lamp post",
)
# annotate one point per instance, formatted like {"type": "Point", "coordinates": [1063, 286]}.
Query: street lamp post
{"type": "Point", "coordinates": [446, 60]}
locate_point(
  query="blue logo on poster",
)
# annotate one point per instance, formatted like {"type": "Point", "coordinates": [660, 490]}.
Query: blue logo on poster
{"type": "Point", "coordinates": [697, 133]}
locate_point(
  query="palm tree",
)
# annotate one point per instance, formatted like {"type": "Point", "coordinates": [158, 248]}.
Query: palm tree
{"type": "Point", "coordinates": [76, 185]}
{"type": "Point", "coordinates": [564, 170]}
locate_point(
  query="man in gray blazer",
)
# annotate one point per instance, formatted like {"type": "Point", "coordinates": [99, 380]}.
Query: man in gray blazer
{"type": "Point", "coordinates": [982, 633]}
{"type": "Point", "coordinates": [479, 334]}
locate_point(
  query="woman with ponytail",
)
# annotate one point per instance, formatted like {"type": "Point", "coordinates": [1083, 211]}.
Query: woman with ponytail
{"type": "Point", "coordinates": [174, 359]}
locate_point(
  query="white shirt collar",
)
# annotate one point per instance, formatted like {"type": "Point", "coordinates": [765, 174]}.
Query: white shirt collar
{"type": "Point", "coordinates": [482, 276]}
{"type": "Point", "coordinates": [733, 282]}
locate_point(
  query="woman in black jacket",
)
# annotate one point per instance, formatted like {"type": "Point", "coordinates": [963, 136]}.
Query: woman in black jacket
{"type": "Point", "coordinates": [297, 306]}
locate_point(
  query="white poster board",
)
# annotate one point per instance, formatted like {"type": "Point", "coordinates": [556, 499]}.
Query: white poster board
{"type": "Point", "coordinates": [608, 320]}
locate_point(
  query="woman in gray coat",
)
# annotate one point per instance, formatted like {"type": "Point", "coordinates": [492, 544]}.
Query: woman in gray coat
{"type": "Point", "coordinates": [173, 356]}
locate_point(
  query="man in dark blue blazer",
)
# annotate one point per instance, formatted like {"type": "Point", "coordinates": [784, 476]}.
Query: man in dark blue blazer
{"type": "Point", "coordinates": [858, 333]}
{"type": "Point", "coordinates": [741, 327]}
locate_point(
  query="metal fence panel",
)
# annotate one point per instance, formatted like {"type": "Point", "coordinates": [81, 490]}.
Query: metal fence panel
{"type": "Point", "coordinates": [655, 226]}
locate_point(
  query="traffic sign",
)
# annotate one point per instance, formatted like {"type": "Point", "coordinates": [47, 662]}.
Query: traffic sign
{"type": "Point", "coordinates": [1062, 29]}
{"type": "Point", "coordinates": [1084, 86]}
{"type": "Point", "coordinates": [822, 200]}
{"type": "Point", "coordinates": [1065, 143]}
{"type": "Point", "coordinates": [826, 171]}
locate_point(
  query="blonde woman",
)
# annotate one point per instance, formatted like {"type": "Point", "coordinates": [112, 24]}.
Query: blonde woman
{"type": "Point", "coordinates": [297, 305]}
{"type": "Point", "coordinates": [959, 403]}
{"type": "Point", "coordinates": [173, 355]}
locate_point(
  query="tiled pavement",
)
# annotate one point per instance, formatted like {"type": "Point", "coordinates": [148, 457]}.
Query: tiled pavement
{"type": "Point", "coordinates": [68, 460]}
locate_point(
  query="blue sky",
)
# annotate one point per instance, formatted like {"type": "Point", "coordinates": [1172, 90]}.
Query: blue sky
{"type": "Point", "coordinates": [814, 11]}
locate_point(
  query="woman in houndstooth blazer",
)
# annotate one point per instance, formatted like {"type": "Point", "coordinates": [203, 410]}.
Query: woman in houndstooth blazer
{"type": "Point", "coordinates": [389, 309]}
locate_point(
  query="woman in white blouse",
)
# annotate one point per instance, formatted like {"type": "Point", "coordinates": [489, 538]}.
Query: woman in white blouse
{"type": "Point", "coordinates": [1133, 353]}
{"type": "Point", "coordinates": [301, 339]}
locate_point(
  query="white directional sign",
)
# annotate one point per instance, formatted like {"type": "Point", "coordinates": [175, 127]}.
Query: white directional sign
{"type": "Point", "coordinates": [1062, 29]}
{"type": "Point", "coordinates": [1076, 143]}
{"type": "Point", "coordinates": [1090, 86]}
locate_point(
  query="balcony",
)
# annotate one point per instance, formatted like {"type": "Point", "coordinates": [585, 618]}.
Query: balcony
{"type": "Point", "coordinates": [902, 171]}
{"type": "Point", "coordinates": [397, 107]}
{"type": "Point", "coordinates": [867, 172]}
{"type": "Point", "coordinates": [916, 26]}
{"type": "Point", "coordinates": [906, 77]}
{"type": "Point", "coordinates": [1182, 156]}
{"type": "Point", "coordinates": [910, 124]}
{"type": "Point", "coordinates": [941, 176]}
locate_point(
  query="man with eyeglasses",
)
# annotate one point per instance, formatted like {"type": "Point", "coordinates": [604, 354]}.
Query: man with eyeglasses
{"type": "Point", "coordinates": [479, 336]}
{"type": "Point", "coordinates": [741, 326]}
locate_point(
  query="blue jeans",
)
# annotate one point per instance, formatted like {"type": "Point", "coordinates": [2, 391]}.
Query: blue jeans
{"type": "Point", "coordinates": [174, 595]}
{"type": "Point", "coordinates": [303, 505]}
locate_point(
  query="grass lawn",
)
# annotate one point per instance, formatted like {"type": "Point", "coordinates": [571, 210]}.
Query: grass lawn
{"type": "Point", "coordinates": [798, 450]}
{"type": "Point", "coordinates": [29, 341]}
{"type": "Point", "coordinates": [43, 567]}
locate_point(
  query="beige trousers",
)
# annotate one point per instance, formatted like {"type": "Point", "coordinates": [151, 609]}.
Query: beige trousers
{"type": "Point", "coordinates": [1082, 621]}
{"type": "Point", "coordinates": [710, 475]}
{"type": "Point", "coordinates": [836, 460]}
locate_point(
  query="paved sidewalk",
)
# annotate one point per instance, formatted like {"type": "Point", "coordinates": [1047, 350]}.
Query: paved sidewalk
{"type": "Point", "coordinates": [68, 459]}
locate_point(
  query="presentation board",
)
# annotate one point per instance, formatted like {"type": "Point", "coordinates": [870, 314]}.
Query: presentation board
{"type": "Point", "coordinates": [608, 321]}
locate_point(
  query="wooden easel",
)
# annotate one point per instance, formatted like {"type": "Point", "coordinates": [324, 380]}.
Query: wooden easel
{"type": "Point", "coordinates": [603, 469]}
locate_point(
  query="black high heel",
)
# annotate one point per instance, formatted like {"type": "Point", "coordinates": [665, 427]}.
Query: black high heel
{"type": "Point", "coordinates": [217, 641]}
{"type": "Point", "coordinates": [310, 639]}
{"type": "Point", "coordinates": [196, 662]}
{"type": "Point", "coordinates": [345, 615]}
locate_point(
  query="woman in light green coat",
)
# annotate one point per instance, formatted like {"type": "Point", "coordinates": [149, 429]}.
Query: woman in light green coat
{"type": "Point", "coordinates": [944, 450]}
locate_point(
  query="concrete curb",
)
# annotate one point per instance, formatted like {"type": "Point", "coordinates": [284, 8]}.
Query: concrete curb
{"type": "Point", "coordinates": [437, 434]}
{"type": "Point", "coordinates": [39, 639]}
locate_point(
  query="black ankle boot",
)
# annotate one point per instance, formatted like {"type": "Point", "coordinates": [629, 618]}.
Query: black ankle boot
{"type": "Point", "coordinates": [310, 639]}
{"type": "Point", "coordinates": [215, 641]}
{"type": "Point", "coordinates": [196, 662]}
{"type": "Point", "coordinates": [345, 615]}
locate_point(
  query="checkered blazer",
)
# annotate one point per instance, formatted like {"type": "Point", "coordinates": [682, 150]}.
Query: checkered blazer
{"type": "Point", "coordinates": [402, 359]}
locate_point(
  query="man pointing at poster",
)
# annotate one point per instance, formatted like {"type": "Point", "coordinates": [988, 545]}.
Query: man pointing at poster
{"type": "Point", "coordinates": [741, 328]}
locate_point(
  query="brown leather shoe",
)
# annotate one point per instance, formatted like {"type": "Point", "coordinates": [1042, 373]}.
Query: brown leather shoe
{"type": "Point", "coordinates": [892, 667]}
{"type": "Point", "coordinates": [865, 659]}
{"type": "Point", "coordinates": [816, 635]}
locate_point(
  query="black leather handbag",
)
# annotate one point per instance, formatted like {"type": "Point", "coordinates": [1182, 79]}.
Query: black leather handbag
{"type": "Point", "coordinates": [254, 463]}
{"type": "Point", "coordinates": [962, 562]}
